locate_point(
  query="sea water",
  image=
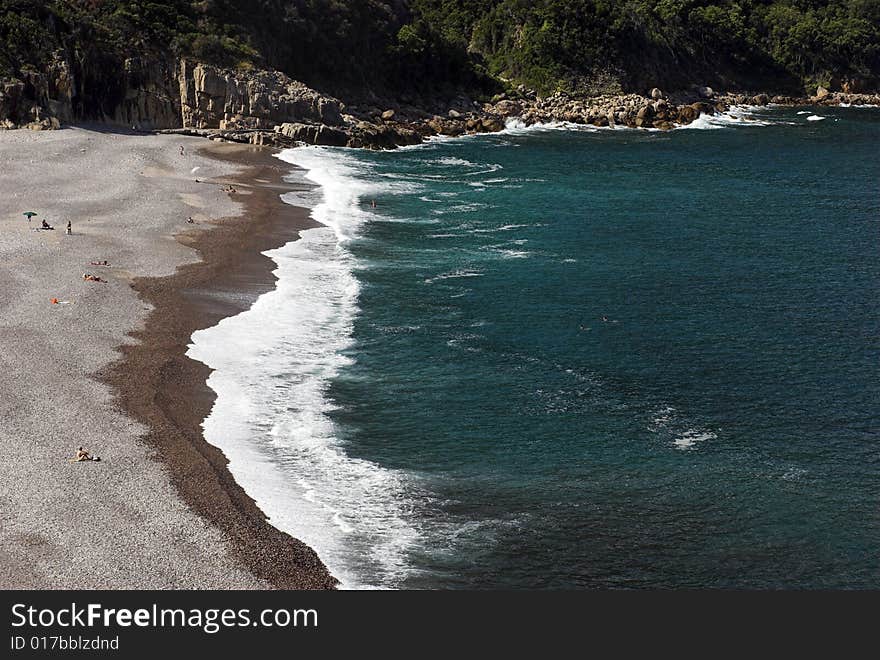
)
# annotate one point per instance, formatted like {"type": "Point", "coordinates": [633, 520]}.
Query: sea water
{"type": "Point", "coordinates": [560, 357]}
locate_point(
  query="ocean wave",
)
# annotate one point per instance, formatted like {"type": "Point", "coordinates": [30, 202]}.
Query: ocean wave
{"type": "Point", "coordinates": [272, 413]}
{"type": "Point", "coordinates": [454, 275]}
{"type": "Point", "coordinates": [460, 208]}
{"type": "Point", "coordinates": [735, 117]}
{"type": "Point", "coordinates": [516, 126]}
{"type": "Point", "coordinates": [514, 254]}
{"type": "Point", "coordinates": [346, 183]}
{"type": "Point", "coordinates": [452, 160]}
{"type": "Point", "coordinates": [669, 424]}
{"type": "Point", "coordinates": [691, 437]}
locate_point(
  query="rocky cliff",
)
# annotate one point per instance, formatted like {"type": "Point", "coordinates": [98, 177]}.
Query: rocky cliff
{"type": "Point", "coordinates": [159, 95]}
{"type": "Point", "coordinates": [267, 107]}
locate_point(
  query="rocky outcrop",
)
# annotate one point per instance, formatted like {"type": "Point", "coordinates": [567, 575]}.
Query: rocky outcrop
{"type": "Point", "coordinates": [267, 107]}
{"type": "Point", "coordinates": [147, 97]}
{"type": "Point", "coordinates": [657, 110]}
{"type": "Point", "coordinates": [313, 134]}
{"type": "Point", "coordinates": [37, 100]}
{"type": "Point", "coordinates": [212, 97]}
{"type": "Point", "coordinates": [161, 95]}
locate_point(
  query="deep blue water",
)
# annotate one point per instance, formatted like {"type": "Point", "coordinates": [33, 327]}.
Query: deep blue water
{"type": "Point", "coordinates": [596, 359]}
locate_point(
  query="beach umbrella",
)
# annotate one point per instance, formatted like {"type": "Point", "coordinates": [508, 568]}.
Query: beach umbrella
{"type": "Point", "coordinates": [29, 214]}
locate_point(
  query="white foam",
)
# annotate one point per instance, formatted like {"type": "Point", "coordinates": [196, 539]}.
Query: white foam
{"type": "Point", "coordinates": [451, 160]}
{"type": "Point", "coordinates": [736, 116]}
{"type": "Point", "coordinates": [454, 275]}
{"type": "Point", "coordinates": [690, 438]}
{"type": "Point", "coordinates": [668, 423]}
{"type": "Point", "coordinates": [514, 254]}
{"type": "Point", "coordinates": [272, 367]}
{"type": "Point", "coordinates": [815, 118]}
{"type": "Point", "coordinates": [516, 126]}
{"type": "Point", "coordinates": [460, 208]}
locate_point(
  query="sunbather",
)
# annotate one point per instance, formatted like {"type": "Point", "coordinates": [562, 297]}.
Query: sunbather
{"type": "Point", "coordinates": [83, 455]}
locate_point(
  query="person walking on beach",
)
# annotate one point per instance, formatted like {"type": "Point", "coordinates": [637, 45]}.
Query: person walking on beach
{"type": "Point", "coordinates": [69, 228]}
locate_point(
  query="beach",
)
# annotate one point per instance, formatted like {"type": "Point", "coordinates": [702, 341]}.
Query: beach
{"type": "Point", "coordinates": [104, 366]}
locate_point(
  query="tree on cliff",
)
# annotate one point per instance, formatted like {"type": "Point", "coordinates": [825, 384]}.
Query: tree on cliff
{"type": "Point", "coordinates": [421, 46]}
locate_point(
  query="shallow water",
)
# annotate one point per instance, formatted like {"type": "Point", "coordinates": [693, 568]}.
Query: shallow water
{"type": "Point", "coordinates": [574, 358]}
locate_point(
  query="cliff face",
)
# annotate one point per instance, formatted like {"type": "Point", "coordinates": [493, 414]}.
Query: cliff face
{"type": "Point", "coordinates": [214, 98]}
{"type": "Point", "coordinates": [161, 95]}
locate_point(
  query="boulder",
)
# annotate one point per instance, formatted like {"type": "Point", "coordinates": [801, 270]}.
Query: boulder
{"type": "Point", "coordinates": [822, 93]}
{"type": "Point", "coordinates": [645, 113]}
{"type": "Point", "coordinates": [507, 108]}
{"type": "Point", "coordinates": [388, 115]}
{"type": "Point", "coordinates": [656, 94]}
{"type": "Point", "coordinates": [706, 92]}
{"type": "Point", "coordinates": [492, 124]}
{"type": "Point", "coordinates": [760, 99]}
{"type": "Point", "coordinates": [314, 134]}
{"type": "Point", "coordinates": [688, 113]}
{"type": "Point", "coordinates": [454, 114]}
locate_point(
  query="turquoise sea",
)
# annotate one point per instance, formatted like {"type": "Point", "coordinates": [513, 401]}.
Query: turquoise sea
{"type": "Point", "coordinates": [562, 358]}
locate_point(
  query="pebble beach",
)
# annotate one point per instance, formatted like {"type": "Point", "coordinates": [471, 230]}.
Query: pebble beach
{"type": "Point", "coordinates": [121, 523]}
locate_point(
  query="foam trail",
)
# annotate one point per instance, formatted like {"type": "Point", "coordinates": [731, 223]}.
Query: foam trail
{"type": "Point", "coordinates": [734, 117]}
{"type": "Point", "coordinates": [272, 413]}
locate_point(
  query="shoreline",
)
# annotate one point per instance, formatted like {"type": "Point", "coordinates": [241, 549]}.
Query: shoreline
{"type": "Point", "coordinates": [158, 385]}
{"type": "Point", "coordinates": [369, 127]}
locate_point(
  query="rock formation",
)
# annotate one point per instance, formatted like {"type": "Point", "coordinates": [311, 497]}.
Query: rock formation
{"type": "Point", "coordinates": [267, 107]}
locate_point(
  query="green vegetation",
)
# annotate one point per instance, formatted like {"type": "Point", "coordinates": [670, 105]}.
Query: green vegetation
{"type": "Point", "coordinates": [437, 46]}
{"type": "Point", "coordinates": [640, 43]}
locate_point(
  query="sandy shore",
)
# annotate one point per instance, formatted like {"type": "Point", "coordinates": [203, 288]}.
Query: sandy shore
{"type": "Point", "coordinates": [160, 510]}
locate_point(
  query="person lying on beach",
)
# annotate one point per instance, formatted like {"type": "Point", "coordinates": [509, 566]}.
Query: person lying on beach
{"type": "Point", "coordinates": [83, 455]}
{"type": "Point", "coordinates": [46, 225]}
{"type": "Point", "coordinates": [93, 278]}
